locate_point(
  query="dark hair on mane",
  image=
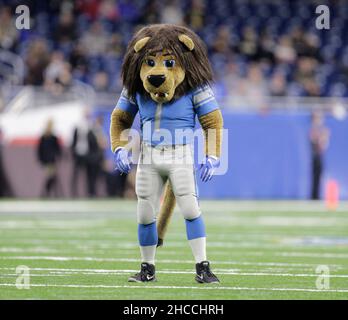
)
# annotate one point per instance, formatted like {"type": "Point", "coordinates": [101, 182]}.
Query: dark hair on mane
{"type": "Point", "coordinates": [195, 63]}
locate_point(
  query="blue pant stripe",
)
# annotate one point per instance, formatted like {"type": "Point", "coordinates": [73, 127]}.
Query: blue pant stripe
{"type": "Point", "coordinates": [147, 234]}
{"type": "Point", "coordinates": [195, 228]}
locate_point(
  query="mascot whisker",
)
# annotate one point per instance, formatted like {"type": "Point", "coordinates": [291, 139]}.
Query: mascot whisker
{"type": "Point", "coordinates": [166, 77]}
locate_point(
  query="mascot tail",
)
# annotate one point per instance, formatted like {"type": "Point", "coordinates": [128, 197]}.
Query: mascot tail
{"type": "Point", "coordinates": [166, 213]}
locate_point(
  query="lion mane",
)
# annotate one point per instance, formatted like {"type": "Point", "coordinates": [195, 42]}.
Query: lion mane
{"type": "Point", "coordinates": [164, 37]}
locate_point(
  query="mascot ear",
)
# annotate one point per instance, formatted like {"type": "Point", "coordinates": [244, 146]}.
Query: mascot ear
{"type": "Point", "coordinates": [141, 44]}
{"type": "Point", "coordinates": [187, 41]}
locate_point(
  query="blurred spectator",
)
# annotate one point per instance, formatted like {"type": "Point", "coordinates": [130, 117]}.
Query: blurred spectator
{"type": "Point", "coordinates": [65, 78]}
{"type": "Point", "coordinates": [90, 8]}
{"type": "Point", "coordinates": [222, 42]}
{"type": "Point", "coordinates": [97, 144]}
{"type": "Point", "coordinates": [195, 16]}
{"type": "Point", "coordinates": [298, 40]}
{"type": "Point", "coordinates": [80, 149]}
{"type": "Point", "coordinates": [278, 85]}
{"type": "Point", "coordinates": [312, 46]}
{"type": "Point", "coordinates": [95, 40]}
{"type": "Point", "coordinates": [48, 152]}
{"type": "Point", "coordinates": [5, 187]}
{"type": "Point", "coordinates": [172, 13]}
{"type": "Point", "coordinates": [103, 167]}
{"type": "Point", "coordinates": [305, 75]}
{"type": "Point", "coordinates": [115, 47]}
{"type": "Point", "coordinates": [284, 50]}
{"type": "Point", "coordinates": [54, 67]}
{"type": "Point", "coordinates": [305, 69]}
{"type": "Point", "coordinates": [151, 13]}
{"type": "Point", "coordinates": [319, 139]}
{"type": "Point", "coordinates": [248, 43]}
{"type": "Point", "coordinates": [266, 45]}
{"type": "Point", "coordinates": [88, 152]}
{"type": "Point", "coordinates": [108, 10]}
{"type": "Point", "coordinates": [79, 61]}
{"type": "Point", "coordinates": [101, 81]}
{"type": "Point", "coordinates": [37, 60]}
{"type": "Point", "coordinates": [311, 88]}
{"type": "Point", "coordinates": [253, 87]}
{"type": "Point", "coordinates": [93, 34]}
{"type": "Point", "coordinates": [58, 80]}
{"type": "Point", "coordinates": [65, 32]}
{"type": "Point", "coordinates": [8, 31]}
{"type": "Point", "coordinates": [232, 77]}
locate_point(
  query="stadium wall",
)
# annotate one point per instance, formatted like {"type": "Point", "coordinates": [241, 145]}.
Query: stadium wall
{"type": "Point", "coordinates": [269, 157]}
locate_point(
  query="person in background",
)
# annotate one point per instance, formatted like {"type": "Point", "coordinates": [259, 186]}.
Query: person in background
{"type": "Point", "coordinates": [88, 155]}
{"type": "Point", "coordinates": [49, 151]}
{"type": "Point", "coordinates": [97, 143]}
{"type": "Point", "coordinates": [5, 187]}
{"type": "Point", "coordinates": [79, 150]}
{"type": "Point", "coordinates": [8, 32]}
{"type": "Point", "coordinates": [319, 139]}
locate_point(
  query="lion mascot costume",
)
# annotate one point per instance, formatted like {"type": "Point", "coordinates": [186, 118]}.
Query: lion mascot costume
{"type": "Point", "coordinates": [166, 78]}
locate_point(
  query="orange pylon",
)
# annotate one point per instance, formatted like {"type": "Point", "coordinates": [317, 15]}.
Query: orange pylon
{"type": "Point", "coordinates": [332, 195]}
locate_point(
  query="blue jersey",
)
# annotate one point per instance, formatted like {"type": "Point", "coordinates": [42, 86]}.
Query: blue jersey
{"type": "Point", "coordinates": [172, 122]}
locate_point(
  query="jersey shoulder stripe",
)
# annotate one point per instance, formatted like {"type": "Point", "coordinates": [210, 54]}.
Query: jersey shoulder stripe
{"type": "Point", "coordinates": [125, 96]}
{"type": "Point", "coordinates": [201, 95]}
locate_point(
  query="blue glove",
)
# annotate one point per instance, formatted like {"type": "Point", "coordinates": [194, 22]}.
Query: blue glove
{"type": "Point", "coordinates": [208, 169]}
{"type": "Point", "coordinates": [123, 163]}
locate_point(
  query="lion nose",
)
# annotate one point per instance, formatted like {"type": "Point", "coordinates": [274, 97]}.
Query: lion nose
{"type": "Point", "coordinates": [156, 80]}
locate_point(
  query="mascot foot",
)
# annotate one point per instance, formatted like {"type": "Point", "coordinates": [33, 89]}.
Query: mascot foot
{"type": "Point", "coordinates": [160, 242]}
{"type": "Point", "coordinates": [204, 274]}
{"type": "Point", "coordinates": [146, 274]}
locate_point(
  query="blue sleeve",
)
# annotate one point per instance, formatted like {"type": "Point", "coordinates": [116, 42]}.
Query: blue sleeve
{"type": "Point", "coordinates": [127, 104]}
{"type": "Point", "coordinates": [204, 101]}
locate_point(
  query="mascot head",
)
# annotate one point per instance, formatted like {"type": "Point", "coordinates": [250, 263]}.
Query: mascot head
{"type": "Point", "coordinates": [165, 62]}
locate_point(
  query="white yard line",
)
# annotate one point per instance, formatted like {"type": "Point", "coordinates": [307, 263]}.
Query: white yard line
{"type": "Point", "coordinates": [228, 220]}
{"type": "Point", "coordinates": [28, 250]}
{"type": "Point", "coordinates": [142, 287]}
{"type": "Point", "coordinates": [60, 272]}
{"type": "Point", "coordinates": [57, 258]}
{"type": "Point", "coordinates": [314, 255]}
{"type": "Point", "coordinates": [170, 245]}
{"type": "Point", "coordinates": [35, 275]}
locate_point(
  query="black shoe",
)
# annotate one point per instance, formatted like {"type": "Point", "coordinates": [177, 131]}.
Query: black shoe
{"type": "Point", "coordinates": [146, 274]}
{"type": "Point", "coordinates": [160, 242]}
{"type": "Point", "coordinates": [204, 274]}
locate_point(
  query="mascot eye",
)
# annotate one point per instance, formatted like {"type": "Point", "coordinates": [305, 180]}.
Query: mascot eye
{"type": "Point", "coordinates": [150, 62]}
{"type": "Point", "coordinates": [169, 63]}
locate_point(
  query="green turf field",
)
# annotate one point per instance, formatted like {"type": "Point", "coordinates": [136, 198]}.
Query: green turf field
{"type": "Point", "coordinates": [87, 250]}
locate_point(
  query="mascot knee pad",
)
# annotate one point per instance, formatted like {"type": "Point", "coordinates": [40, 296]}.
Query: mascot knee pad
{"type": "Point", "coordinates": [189, 206]}
{"type": "Point", "coordinates": [145, 213]}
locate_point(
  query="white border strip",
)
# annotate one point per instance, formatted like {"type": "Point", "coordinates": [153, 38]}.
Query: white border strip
{"type": "Point", "coordinates": [142, 287]}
